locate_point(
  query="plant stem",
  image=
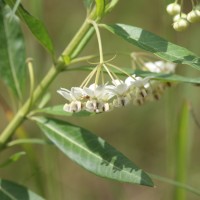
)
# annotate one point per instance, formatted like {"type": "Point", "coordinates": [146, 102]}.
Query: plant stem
{"type": "Point", "coordinates": [80, 35]}
{"type": "Point", "coordinates": [99, 40]}
{"type": "Point", "coordinates": [21, 114]}
{"type": "Point", "coordinates": [182, 151]}
{"type": "Point", "coordinates": [50, 76]}
{"type": "Point", "coordinates": [175, 183]}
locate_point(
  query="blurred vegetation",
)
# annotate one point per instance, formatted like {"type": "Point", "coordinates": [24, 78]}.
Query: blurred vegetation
{"type": "Point", "coordinates": [145, 134]}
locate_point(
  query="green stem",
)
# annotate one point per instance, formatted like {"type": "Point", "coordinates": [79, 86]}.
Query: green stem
{"type": "Point", "coordinates": [176, 183]}
{"type": "Point", "coordinates": [181, 8]}
{"type": "Point", "coordinates": [21, 114]}
{"type": "Point", "coordinates": [27, 141]}
{"type": "Point", "coordinates": [182, 150]}
{"type": "Point", "coordinates": [99, 41]}
{"type": "Point", "coordinates": [193, 4]}
{"type": "Point", "coordinates": [15, 7]}
{"type": "Point", "coordinates": [100, 8]}
{"type": "Point", "coordinates": [80, 35]}
{"type": "Point", "coordinates": [51, 75]}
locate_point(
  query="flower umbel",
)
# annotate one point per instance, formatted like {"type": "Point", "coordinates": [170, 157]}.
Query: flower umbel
{"type": "Point", "coordinates": [103, 97]}
{"type": "Point", "coordinates": [182, 20]}
{"type": "Point", "coordinates": [99, 96]}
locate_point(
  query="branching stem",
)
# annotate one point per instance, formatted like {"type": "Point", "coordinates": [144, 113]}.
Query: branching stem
{"type": "Point", "coordinates": [74, 46]}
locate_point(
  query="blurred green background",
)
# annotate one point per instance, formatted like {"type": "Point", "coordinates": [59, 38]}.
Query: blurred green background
{"type": "Point", "coordinates": [145, 134]}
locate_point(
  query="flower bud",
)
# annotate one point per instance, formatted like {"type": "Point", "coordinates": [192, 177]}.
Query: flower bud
{"type": "Point", "coordinates": [181, 24]}
{"type": "Point", "coordinates": [173, 8]}
{"type": "Point", "coordinates": [193, 16]}
{"type": "Point", "coordinates": [178, 16]}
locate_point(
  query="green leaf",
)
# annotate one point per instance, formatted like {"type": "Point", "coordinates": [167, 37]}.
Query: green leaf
{"type": "Point", "coordinates": [36, 26]}
{"type": "Point", "coordinates": [155, 44]}
{"type": "Point", "coordinates": [14, 191]}
{"type": "Point", "coordinates": [92, 152]}
{"type": "Point", "coordinates": [167, 77]}
{"type": "Point", "coordinates": [12, 53]}
{"type": "Point", "coordinates": [13, 158]}
{"type": "Point", "coordinates": [58, 110]}
{"type": "Point", "coordinates": [154, 76]}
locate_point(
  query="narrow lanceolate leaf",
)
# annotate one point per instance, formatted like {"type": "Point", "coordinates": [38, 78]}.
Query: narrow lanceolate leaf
{"type": "Point", "coordinates": [12, 51]}
{"type": "Point", "coordinates": [168, 77]}
{"type": "Point", "coordinates": [14, 191]}
{"type": "Point", "coordinates": [58, 110]}
{"type": "Point", "coordinates": [36, 26]}
{"type": "Point", "coordinates": [92, 152]}
{"type": "Point", "coordinates": [151, 75]}
{"type": "Point", "coordinates": [155, 44]}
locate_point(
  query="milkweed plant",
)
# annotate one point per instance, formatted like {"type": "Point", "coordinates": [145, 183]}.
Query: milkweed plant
{"type": "Point", "coordinates": [106, 87]}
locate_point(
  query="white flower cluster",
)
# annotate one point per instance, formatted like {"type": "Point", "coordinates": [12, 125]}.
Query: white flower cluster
{"type": "Point", "coordinates": [157, 88]}
{"type": "Point", "coordinates": [182, 20]}
{"type": "Point", "coordinates": [103, 98]}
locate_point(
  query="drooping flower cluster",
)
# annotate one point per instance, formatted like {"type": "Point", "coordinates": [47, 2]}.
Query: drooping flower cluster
{"type": "Point", "coordinates": [180, 19]}
{"type": "Point", "coordinates": [104, 97]}
{"type": "Point", "coordinates": [157, 88]}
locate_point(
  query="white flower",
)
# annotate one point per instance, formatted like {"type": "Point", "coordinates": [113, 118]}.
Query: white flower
{"type": "Point", "coordinates": [137, 81]}
{"type": "Point", "coordinates": [118, 88]}
{"type": "Point", "coordinates": [76, 93]}
{"type": "Point", "coordinates": [97, 106]}
{"type": "Point", "coordinates": [194, 16]}
{"type": "Point", "coordinates": [74, 106]}
{"type": "Point", "coordinates": [121, 101]}
{"type": "Point", "coordinates": [74, 97]}
{"type": "Point", "coordinates": [173, 8]}
{"type": "Point", "coordinates": [65, 93]}
{"type": "Point", "coordinates": [122, 92]}
{"type": "Point", "coordinates": [97, 92]}
{"type": "Point", "coordinates": [160, 67]}
{"type": "Point", "coordinates": [98, 98]}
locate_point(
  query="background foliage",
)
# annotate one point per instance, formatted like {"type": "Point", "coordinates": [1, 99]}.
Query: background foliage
{"type": "Point", "coordinates": [146, 134]}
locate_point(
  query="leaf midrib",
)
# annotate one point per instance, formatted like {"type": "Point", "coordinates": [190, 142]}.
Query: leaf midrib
{"type": "Point", "coordinates": [7, 194]}
{"type": "Point", "coordinates": [91, 153]}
